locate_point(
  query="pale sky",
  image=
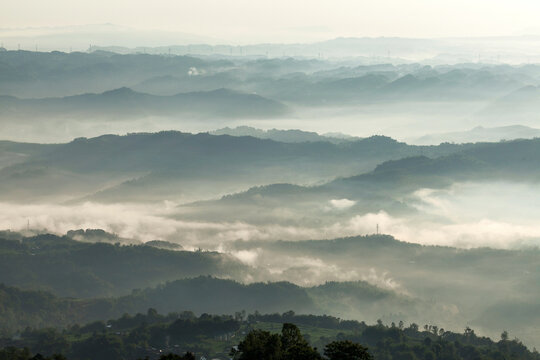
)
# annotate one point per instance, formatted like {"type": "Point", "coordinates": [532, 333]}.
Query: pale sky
{"type": "Point", "coordinates": [252, 21]}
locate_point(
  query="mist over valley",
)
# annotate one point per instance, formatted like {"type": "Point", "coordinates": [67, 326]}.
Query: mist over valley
{"type": "Point", "coordinates": [166, 195]}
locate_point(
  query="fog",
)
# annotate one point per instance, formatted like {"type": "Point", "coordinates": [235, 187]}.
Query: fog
{"type": "Point", "coordinates": [466, 215]}
{"type": "Point", "coordinates": [355, 96]}
{"type": "Point", "coordinates": [415, 123]}
{"type": "Point", "coordinates": [452, 217]}
{"type": "Point", "coordinates": [408, 164]}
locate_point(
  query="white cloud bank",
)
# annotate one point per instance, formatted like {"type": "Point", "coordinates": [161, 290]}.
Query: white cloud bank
{"type": "Point", "coordinates": [467, 215]}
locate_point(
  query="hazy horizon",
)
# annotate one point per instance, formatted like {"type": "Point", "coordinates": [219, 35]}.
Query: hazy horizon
{"type": "Point", "coordinates": [349, 161]}
{"type": "Point", "coordinates": [243, 21]}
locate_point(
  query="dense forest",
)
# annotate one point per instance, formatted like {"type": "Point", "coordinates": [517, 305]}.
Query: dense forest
{"type": "Point", "coordinates": [252, 337]}
{"type": "Point", "coordinates": [66, 281]}
{"type": "Point", "coordinates": [82, 269]}
{"type": "Point", "coordinates": [28, 308]}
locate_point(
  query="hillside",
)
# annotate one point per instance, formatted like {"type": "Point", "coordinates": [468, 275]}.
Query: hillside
{"type": "Point", "coordinates": [286, 136]}
{"type": "Point", "coordinates": [124, 103]}
{"type": "Point", "coordinates": [372, 277]}
{"type": "Point", "coordinates": [79, 269]}
{"type": "Point", "coordinates": [175, 165]}
{"type": "Point", "coordinates": [37, 309]}
{"type": "Point", "coordinates": [152, 335]}
{"type": "Point", "coordinates": [390, 188]}
{"type": "Point", "coordinates": [28, 74]}
{"type": "Point", "coordinates": [507, 160]}
{"type": "Point", "coordinates": [480, 134]}
{"type": "Point", "coordinates": [463, 282]}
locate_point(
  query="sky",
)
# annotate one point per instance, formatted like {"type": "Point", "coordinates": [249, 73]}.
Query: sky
{"type": "Point", "coordinates": [256, 21]}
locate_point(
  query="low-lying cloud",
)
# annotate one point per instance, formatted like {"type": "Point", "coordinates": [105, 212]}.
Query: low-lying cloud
{"type": "Point", "coordinates": [342, 203]}
{"type": "Point", "coordinates": [466, 215]}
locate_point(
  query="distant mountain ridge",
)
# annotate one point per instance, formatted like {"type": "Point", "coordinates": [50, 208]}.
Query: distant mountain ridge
{"type": "Point", "coordinates": [166, 163]}
{"type": "Point", "coordinates": [480, 134]}
{"type": "Point", "coordinates": [388, 190]}
{"type": "Point", "coordinates": [124, 103]}
{"type": "Point", "coordinates": [507, 160]}
{"type": "Point", "coordinates": [287, 136]}
{"type": "Point", "coordinates": [162, 165]}
{"type": "Point", "coordinates": [435, 50]}
{"type": "Point", "coordinates": [521, 105]}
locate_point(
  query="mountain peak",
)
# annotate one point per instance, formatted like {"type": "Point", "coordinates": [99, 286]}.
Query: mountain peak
{"type": "Point", "coordinates": [123, 91]}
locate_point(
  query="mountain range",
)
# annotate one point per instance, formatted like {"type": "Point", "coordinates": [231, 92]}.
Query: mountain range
{"type": "Point", "coordinates": [124, 103]}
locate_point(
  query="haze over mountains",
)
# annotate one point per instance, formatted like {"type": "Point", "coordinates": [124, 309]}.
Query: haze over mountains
{"type": "Point", "coordinates": [86, 166]}
{"type": "Point", "coordinates": [86, 94]}
{"type": "Point", "coordinates": [123, 103]}
{"type": "Point", "coordinates": [396, 281]}
{"type": "Point", "coordinates": [317, 178]}
{"type": "Point", "coordinates": [122, 39]}
{"type": "Point", "coordinates": [480, 133]}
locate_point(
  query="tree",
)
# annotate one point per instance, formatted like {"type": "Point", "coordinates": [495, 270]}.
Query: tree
{"type": "Point", "coordinates": [504, 335]}
{"type": "Point", "coordinates": [240, 315]}
{"type": "Point", "coordinates": [294, 346]}
{"type": "Point", "coordinates": [469, 332]}
{"type": "Point", "coordinates": [291, 336]}
{"type": "Point", "coordinates": [260, 345]}
{"type": "Point", "coordinates": [152, 315]}
{"type": "Point", "coordinates": [346, 350]}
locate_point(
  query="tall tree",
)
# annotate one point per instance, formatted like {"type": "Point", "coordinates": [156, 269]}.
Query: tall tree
{"type": "Point", "coordinates": [346, 350]}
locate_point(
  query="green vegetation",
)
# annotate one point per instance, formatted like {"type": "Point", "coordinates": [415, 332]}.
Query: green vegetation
{"type": "Point", "coordinates": [268, 210]}
{"type": "Point", "coordinates": [20, 309]}
{"type": "Point", "coordinates": [83, 282]}
{"type": "Point", "coordinates": [71, 268]}
{"type": "Point", "coordinates": [299, 337]}
{"type": "Point", "coordinates": [151, 166]}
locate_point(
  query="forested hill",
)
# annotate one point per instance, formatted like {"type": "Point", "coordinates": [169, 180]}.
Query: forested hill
{"type": "Point", "coordinates": [169, 164]}
{"type": "Point", "coordinates": [124, 103]}
{"type": "Point", "coordinates": [157, 151]}
{"type": "Point", "coordinates": [151, 335]}
{"type": "Point", "coordinates": [66, 267]}
{"type": "Point", "coordinates": [71, 268]}
{"type": "Point", "coordinates": [515, 160]}
{"type": "Point", "coordinates": [152, 166]}
{"type": "Point", "coordinates": [38, 309]}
